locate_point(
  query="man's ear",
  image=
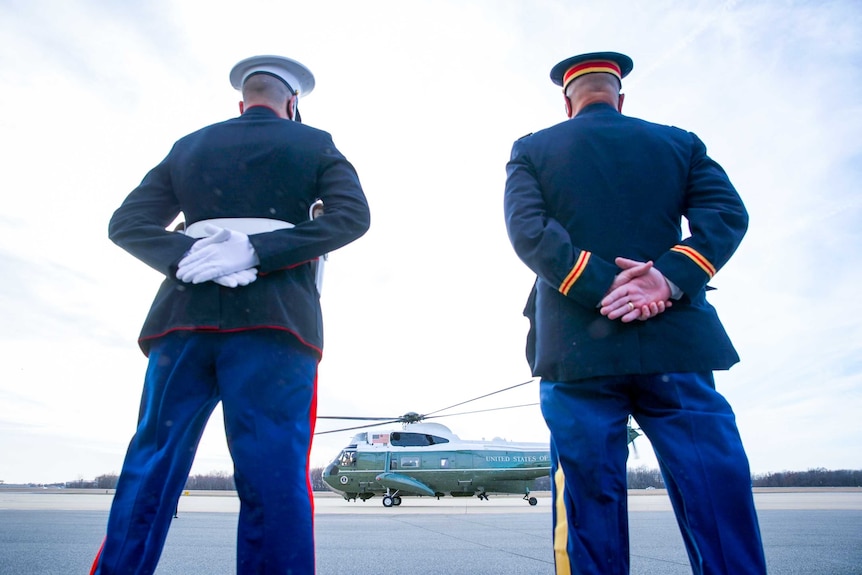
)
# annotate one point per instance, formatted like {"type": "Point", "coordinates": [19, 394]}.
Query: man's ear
{"type": "Point", "coordinates": [620, 104]}
{"type": "Point", "coordinates": [291, 107]}
{"type": "Point", "coordinates": [568, 107]}
{"type": "Point", "coordinates": [241, 107]}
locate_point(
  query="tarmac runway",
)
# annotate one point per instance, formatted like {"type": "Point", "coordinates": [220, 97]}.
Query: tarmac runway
{"type": "Point", "coordinates": [45, 532]}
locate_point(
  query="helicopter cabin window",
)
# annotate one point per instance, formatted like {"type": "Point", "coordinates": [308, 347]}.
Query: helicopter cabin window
{"type": "Point", "coordinates": [407, 439]}
{"type": "Point", "coordinates": [409, 463]}
{"type": "Point", "coordinates": [347, 459]}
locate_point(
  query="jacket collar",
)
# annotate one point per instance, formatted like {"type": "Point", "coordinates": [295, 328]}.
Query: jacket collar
{"type": "Point", "coordinates": [259, 110]}
{"type": "Point", "coordinates": [597, 108]}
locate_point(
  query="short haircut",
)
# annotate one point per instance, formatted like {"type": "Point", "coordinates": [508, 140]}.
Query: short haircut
{"type": "Point", "coordinates": [266, 87]}
{"type": "Point", "coordinates": [595, 82]}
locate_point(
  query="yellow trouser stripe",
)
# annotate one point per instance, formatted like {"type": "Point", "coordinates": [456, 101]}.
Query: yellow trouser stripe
{"type": "Point", "coordinates": [561, 525]}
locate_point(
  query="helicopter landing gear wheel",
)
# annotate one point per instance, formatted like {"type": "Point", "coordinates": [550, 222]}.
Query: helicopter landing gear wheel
{"type": "Point", "coordinates": [391, 498]}
{"type": "Point", "coordinates": [532, 500]}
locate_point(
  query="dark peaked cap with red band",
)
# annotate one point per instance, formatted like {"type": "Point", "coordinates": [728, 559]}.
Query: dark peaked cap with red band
{"type": "Point", "coordinates": [613, 63]}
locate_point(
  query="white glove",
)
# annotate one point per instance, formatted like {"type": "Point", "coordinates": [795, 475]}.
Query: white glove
{"type": "Point", "coordinates": [223, 252]}
{"type": "Point", "coordinates": [240, 278]}
{"type": "Point", "coordinates": [218, 237]}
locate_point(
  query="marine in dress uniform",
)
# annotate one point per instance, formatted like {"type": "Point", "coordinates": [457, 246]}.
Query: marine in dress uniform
{"type": "Point", "coordinates": [237, 318]}
{"type": "Point", "coordinates": [579, 195]}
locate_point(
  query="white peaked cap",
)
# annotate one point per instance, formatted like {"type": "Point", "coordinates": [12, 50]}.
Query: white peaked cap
{"type": "Point", "coordinates": [295, 75]}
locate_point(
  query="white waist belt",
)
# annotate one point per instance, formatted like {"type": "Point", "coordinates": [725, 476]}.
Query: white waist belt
{"type": "Point", "coordinates": [248, 226]}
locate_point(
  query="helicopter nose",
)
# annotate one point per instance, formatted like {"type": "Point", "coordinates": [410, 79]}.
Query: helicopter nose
{"type": "Point", "coordinates": [330, 470]}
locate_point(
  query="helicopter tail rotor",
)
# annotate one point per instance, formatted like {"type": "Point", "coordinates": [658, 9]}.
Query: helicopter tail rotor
{"type": "Point", "coordinates": [633, 433]}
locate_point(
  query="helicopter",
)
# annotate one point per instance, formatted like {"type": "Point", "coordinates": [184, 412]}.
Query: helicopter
{"type": "Point", "coordinates": [428, 459]}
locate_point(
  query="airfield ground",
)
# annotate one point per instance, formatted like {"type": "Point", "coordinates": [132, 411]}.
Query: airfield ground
{"type": "Point", "coordinates": [57, 531]}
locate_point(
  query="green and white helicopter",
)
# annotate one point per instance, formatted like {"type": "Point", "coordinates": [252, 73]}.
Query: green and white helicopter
{"type": "Point", "coordinates": [427, 459]}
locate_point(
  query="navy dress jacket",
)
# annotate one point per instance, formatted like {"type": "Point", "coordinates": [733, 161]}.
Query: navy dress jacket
{"type": "Point", "coordinates": [254, 166]}
{"type": "Point", "coordinates": [602, 185]}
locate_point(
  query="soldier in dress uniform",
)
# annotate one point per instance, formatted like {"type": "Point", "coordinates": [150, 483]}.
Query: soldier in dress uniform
{"type": "Point", "coordinates": [237, 318]}
{"type": "Point", "coordinates": [620, 323]}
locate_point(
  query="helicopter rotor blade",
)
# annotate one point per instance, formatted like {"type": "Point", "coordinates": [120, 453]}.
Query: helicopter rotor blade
{"type": "Point", "coordinates": [409, 417]}
{"type": "Point", "coordinates": [413, 417]}
{"type": "Point", "coordinates": [352, 418]}
{"type": "Point", "coordinates": [481, 397]}
{"type": "Point", "coordinates": [357, 427]}
{"type": "Point", "coordinates": [480, 411]}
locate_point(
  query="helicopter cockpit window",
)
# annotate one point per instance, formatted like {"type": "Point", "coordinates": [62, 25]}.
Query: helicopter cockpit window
{"type": "Point", "coordinates": [347, 459]}
{"type": "Point", "coordinates": [407, 439]}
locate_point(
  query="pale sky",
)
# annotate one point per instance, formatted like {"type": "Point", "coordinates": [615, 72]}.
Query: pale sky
{"type": "Point", "coordinates": [425, 98]}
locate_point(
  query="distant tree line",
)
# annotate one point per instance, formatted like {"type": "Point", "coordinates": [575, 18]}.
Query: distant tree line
{"type": "Point", "coordinates": [212, 481]}
{"type": "Point", "coordinates": [819, 477]}
{"type": "Point", "coordinates": [643, 478]}
{"type": "Point", "coordinates": [107, 481]}
{"type": "Point", "coordinates": [638, 478]}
